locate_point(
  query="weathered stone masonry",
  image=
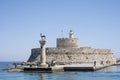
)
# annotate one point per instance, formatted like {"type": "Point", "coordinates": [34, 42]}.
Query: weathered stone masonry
{"type": "Point", "coordinates": [68, 52]}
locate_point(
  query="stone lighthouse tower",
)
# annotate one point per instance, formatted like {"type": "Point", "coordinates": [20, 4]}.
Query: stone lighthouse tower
{"type": "Point", "coordinates": [71, 34]}
{"type": "Point", "coordinates": [43, 51]}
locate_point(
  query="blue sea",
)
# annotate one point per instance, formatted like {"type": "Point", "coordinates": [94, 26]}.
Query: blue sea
{"type": "Point", "coordinates": [110, 73]}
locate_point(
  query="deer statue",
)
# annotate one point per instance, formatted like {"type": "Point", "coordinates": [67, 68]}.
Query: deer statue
{"type": "Point", "coordinates": [43, 37]}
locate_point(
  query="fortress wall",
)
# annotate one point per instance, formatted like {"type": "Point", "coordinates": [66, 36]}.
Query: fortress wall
{"type": "Point", "coordinates": [35, 53]}
{"type": "Point", "coordinates": [79, 58]}
{"type": "Point", "coordinates": [67, 42]}
{"type": "Point", "coordinates": [74, 55]}
{"type": "Point", "coordinates": [85, 50]}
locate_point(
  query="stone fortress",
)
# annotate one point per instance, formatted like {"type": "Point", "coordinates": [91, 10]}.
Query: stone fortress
{"type": "Point", "coordinates": [67, 51]}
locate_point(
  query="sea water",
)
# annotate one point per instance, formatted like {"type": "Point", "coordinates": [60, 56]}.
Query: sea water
{"type": "Point", "coordinates": [110, 73]}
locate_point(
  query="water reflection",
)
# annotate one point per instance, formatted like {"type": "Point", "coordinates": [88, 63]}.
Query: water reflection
{"type": "Point", "coordinates": [109, 69]}
{"type": "Point", "coordinates": [59, 76]}
{"type": "Point", "coordinates": [42, 76]}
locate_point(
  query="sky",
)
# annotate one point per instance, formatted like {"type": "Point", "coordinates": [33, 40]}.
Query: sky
{"type": "Point", "coordinates": [96, 23]}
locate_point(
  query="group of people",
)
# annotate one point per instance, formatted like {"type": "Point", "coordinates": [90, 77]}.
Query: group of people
{"type": "Point", "coordinates": [102, 62]}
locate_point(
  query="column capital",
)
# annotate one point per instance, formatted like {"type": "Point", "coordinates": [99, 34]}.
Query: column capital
{"type": "Point", "coordinates": [42, 42]}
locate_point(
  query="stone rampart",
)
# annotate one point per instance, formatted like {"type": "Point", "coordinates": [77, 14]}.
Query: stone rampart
{"type": "Point", "coordinates": [74, 55]}
{"type": "Point", "coordinates": [67, 42]}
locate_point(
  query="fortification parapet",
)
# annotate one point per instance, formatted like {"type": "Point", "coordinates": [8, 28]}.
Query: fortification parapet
{"type": "Point", "coordinates": [67, 43]}
{"type": "Point", "coordinates": [70, 42]}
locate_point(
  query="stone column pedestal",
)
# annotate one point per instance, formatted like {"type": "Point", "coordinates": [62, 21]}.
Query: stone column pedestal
{"type": "Point", "coordinates": [43, 54]}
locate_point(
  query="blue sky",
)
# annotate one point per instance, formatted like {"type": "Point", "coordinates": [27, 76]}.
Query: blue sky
{"type": "Point", "coordinates": [95, 22]}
